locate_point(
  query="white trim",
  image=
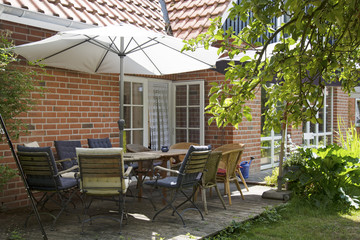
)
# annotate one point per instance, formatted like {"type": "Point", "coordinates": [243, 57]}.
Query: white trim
{"type": "Point", "coordinates": [201, 106]}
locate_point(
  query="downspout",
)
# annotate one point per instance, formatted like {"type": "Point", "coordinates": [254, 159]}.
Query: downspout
{"type": "Point", "coordinates": [168, 29]}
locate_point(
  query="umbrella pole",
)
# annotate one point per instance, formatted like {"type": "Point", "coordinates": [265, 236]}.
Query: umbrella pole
{"type": "Point", "coordinates": [11, 146]}
{"type": "Point", "coordinates": [121, 90]}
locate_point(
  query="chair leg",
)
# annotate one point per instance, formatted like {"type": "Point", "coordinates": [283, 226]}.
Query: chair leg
{"type": "Point", "coordinates": [203, 196]}
{"type": "Point", "coordinates": [169, 205]}
{"type": "Point", "coordinates": [188, 199]}
{"type": "Point", "coordinates": [227, 190]}
{"type": "Point", "coordinates": [219, 195]}
{"type": "Point", "coordinates": [242, 179]}
{"type": "Point", "coordinates": [238, 187]}
{"type": "Point", "coordinates": [63, 206]}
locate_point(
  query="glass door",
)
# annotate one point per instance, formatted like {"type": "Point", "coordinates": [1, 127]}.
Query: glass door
{"type": "Point", "coordinates": [188, 113]}
{"type": "Point", "coordinates": [135, 112]}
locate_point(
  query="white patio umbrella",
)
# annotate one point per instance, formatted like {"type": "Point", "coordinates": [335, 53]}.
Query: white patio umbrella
{"type": "Point", "coordinates": [117, 49]}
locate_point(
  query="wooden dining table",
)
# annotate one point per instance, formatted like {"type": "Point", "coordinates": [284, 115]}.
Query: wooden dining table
{"type": "Point", "coordinates": [150, 156]}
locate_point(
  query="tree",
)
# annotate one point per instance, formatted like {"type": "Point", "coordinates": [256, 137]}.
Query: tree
{"type": "Point", "coordinates": [17, 83]}
{"type": "Point", "coordinates": [317, 45]}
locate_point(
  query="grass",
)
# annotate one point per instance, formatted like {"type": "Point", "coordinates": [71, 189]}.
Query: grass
{"type": "Point", "coordinates": [296, 221]}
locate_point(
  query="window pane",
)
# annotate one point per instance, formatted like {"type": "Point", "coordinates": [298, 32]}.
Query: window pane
{"type": "Point", "coordinates": [138, 137]}
{"type": "Point", "coordinates": [277, 148]}
{"type": "Point", "coordinates": [265, 152]}
{"type": "Point", "coordinates": [180, 117]}
{"type": "Point", "coordinates": [127, 117]}
{"type": "Point", "coordinates": [128, 137]}
{"type": "Point", "coordinates": [321, 142]}
{"type": "Point", "coordinates": [181, 96]}
{"type": "Point", "coordinates": [194, 135]}
{"type": "Point", "coordinates": [137, 91]}
{"type": "Point", "coordinates": [181, 135]}
{"type": "Point", "coordinates": [138, 118]}
{"type": "Point", "coordinates": [194, 95]}
{"type": "Point", "coordinates": [127, 94]}
{"type": "Point", "coordinates": [194, 117]}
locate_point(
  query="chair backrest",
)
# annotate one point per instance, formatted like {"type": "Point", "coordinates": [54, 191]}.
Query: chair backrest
{"type": "Point", "coordinates": [231, 159]}
{"type": "Point", "coordinates": [228, 147]}
{"type": "Point", "coordinates": [99, 143]}
{"type": "Point", "coordinates": [66, 149]}
{"type": "Point", "coordinates": [136, 148]}
{"type": "Point", "coordinates": [183, 145]}
{"type": "Point", "coordinates": [193, 166]}
{"type": "Point", "coordinates": [101, 170]}
{"type": "Point", "coordinates": [39, 167]}
{"type": "Point", "coordinates": [211, 167]}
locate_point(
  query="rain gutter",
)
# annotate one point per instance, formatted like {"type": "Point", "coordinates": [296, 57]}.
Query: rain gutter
{"type": "Point", "coordinates": [40, 20]}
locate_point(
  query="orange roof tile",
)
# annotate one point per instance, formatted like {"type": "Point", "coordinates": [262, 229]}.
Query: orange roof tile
{"type": "Point", "coordinates": [143, 13]}
{"type": "Point", "coordinates": [190, 18]}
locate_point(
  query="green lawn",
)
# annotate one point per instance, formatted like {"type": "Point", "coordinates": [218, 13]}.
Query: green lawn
{"type": "Point", "coordinates": [296, 221]}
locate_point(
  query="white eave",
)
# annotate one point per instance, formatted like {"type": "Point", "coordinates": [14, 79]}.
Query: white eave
{"type": "Point", "coordinates": [39, 20]}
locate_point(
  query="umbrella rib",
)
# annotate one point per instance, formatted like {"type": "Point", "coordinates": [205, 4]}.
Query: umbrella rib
{"type": "Point", "coordinates": [68, 48]}
{"type": "Point", "coordinates": [103, 46]}
{"type": "Point", "coordinates": [106, 53]}
{"type": "Point", "coordinates": [139, 46]}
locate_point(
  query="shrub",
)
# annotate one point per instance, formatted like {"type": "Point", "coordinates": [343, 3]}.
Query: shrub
{"type": "Point", "coordinates": [273, 179]}
{"type": "Point", "coordinates": [6, 173]}
{"type": "Point", "coordinates": [330, 177]}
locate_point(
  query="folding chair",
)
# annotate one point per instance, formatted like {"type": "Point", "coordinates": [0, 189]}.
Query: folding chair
{"type": "Point", "coordinates": [188, 176]}
{"type": "Point", "coordinates": [42, 175]}
{"type": "Point", "coordinates": [102, 176]}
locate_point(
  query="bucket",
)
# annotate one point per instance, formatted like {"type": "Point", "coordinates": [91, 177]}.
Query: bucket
{"type": "Point", "coordinates": [245, 168]}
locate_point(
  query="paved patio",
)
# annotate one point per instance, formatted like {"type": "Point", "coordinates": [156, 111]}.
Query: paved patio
{"type": "Point", "coordinates": [139, 224]}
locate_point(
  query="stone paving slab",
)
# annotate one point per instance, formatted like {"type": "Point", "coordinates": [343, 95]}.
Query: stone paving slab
{"type": "Point", "coordinates": [139, 224]}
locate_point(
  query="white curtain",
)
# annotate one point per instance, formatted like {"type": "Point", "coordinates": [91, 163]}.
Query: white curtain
{"type": "Point", "coordinates": [158, 115]}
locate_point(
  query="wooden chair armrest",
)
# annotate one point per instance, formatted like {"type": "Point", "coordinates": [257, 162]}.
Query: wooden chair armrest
{"type": "Point", "coordinates": [68, 170]}
{"type": "Point", "coordinates": [128, 171]}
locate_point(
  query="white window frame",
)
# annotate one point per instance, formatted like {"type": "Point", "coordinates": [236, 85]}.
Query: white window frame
{"type": "Point", "coordinates": [201, 106]}
{"type": "Point", "coordinates": [329, 105]}
{"type": "Point", "coordinates": [357, 112]}
{"type": "Point", "coordinates": [145, 129]}
{"type": "Point", "coordinates": [272, 138]}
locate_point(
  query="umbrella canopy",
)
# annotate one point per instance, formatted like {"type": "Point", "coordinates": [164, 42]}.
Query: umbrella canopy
{"type": "Point", "coordinates": [98, 50]}
{"type": "Point", "coordinates": [117, 49]}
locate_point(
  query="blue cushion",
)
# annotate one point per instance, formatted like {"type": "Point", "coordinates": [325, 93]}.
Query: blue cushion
{"type": "Point", "coordinates": [66, 149]}
{"type": "Point", "coordinates": [168, 182]}
{"type": "Point", "coordinates": [99, 143]}
{"type": "Point", "coordinates": [41, 181]}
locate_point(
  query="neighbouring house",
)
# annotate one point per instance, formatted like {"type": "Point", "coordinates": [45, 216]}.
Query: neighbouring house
{"type": "Point", "coordinates": [78, 106]}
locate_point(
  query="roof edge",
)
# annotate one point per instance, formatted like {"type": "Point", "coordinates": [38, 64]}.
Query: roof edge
{"type": "Point", "coordinates": [39, 20]}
